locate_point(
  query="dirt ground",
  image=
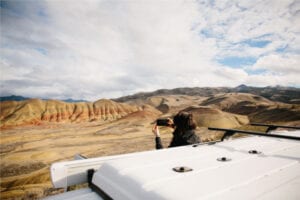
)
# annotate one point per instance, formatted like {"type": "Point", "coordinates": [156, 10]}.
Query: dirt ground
{"type": "Point", "coordinates": [26, 153]}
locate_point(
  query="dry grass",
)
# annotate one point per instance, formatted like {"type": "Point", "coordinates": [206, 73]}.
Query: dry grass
{"type": "Point", "coordinates": [27, 152]}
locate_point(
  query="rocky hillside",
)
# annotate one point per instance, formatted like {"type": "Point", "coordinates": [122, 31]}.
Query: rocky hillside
{"type": "Point", "coordinates": [240, 103]}
{"type": "Point", "coordinates": [267, 107]}
{"type": "Point", "coordinates": [35, 111]}
{"type": "Point", "coordinates": [281, 94]}
{"type": "Point", "coordinates": [212, 117]}
{"type": "Point", "coordinates": [257, 108]}
{"type": "Point", "coordinates": [168, 103]}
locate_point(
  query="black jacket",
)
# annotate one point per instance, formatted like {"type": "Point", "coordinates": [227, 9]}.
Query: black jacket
{"type": "Point", "coordinates": [189, 137]}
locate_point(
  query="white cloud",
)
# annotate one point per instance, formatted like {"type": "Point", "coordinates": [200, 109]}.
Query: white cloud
{"type": "Point", "coordinates": [100, 48]}
{"type": "Point", "coordinates": [279, 63]}
{"type": "Point", "coordinates": [237, 21]}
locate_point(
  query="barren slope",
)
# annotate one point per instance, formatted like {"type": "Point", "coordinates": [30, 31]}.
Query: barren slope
{"type": "Point", "coordinates": [257, 108]}
{"type": "Point", "coordinates": [281, 94]}
{"type": "Point", "coordinates": [35, 111]}
{"type": "Point", "coordinates": [213, 117]}
{"type": "Point", "coordinates": [168, 103]}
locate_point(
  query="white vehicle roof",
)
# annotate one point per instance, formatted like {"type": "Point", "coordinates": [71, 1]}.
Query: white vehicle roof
{"type": "Point", "coordinates": [246, 168]}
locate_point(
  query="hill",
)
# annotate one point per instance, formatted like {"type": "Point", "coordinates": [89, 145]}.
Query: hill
{"type": "Point", "coordinates": [36, 111]}
{"type": "Point", "coordinates": [212, 117]}
{"type": "Point", "coordinates": [244, 100]}
{"type": "Point", "coordinates": [257, 108]}
{"type": "Point", "coordinates": [281, 94]}
{"type": "Point", "coordinates": [168, 103]}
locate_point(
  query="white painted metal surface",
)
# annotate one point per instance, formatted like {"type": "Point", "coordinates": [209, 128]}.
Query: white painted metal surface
{"type": "Point", "coordinates": [273, 174]}
{"type": "Point", "coordinates": [64, 174]}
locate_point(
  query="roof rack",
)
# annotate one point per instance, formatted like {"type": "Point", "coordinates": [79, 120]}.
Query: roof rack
{"type": "Point", "coordinates": [272, 127]}
{"type": "Point", "coordinates": [230, 132]}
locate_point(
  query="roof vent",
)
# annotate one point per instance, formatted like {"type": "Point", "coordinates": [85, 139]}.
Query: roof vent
{"type": "Point", "coordinates": [223, 159]}
{"type": "Point", "coordinates": [182, 169]}
{"type": "Point", "coordinates": [254, 152]}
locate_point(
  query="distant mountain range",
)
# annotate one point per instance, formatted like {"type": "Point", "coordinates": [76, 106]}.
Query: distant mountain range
{"type": "Point", "coordinates": [21, 98]}
{"type": "Point", "coordinates": [278, 93]}
{"type": "Point", "coordinates": [218, 106]}
{"type": "Point", "coordinates": [13, 98]}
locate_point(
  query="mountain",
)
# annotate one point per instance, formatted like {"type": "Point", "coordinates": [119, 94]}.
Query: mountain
{"type": "Point", "coordinates": [257, 108]}
{"type": "Point", "coordinates": [21, 98]}
{"type": "Point", "coordinates": [13, 98]}
{"type": "Point", "coordinates": [278, 93]}
{"type": "Point", "coordinates": [36, 111]}
{"type": "Point", "coordinates": [268, 104]}
{"type": "Point", "coordinates": [205, 116]}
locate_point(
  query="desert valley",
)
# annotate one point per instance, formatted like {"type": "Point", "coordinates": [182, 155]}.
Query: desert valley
{"type": "Point", "coordinates": [36, 133]}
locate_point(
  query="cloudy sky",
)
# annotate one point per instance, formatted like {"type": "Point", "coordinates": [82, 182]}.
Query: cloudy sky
{"type": "Point", "coordinates": [92, 49]}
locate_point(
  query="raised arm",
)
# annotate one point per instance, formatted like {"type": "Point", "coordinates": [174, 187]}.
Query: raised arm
{"type": "Point", "coordinates": [158, 143]}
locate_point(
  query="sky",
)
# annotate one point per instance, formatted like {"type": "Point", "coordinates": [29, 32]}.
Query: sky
{"type": "Point", "coordinates": [93, 49]}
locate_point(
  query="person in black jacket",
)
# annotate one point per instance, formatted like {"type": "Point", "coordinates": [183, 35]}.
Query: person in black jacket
{"type": "Point", "coordinates": [184, 133]}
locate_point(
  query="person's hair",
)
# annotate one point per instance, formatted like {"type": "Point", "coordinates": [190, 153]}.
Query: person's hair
{"type": "Point", "coordinates": [183, 121]}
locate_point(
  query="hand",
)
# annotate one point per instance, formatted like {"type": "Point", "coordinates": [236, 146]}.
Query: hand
{"type": "Point", "coordinates": [155, 131]}
{"type": "Point", "coordinates": [170, 123]}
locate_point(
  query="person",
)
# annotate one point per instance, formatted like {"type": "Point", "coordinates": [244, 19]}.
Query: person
{"type": "Point", "coordinates": [184, 131]}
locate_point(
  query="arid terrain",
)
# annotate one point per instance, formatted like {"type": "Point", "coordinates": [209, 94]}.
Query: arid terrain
{"type": "Point", "coordinates": [36, 133]}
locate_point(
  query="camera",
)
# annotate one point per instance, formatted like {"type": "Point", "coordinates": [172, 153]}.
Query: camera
{"type": "Point", "coordinates": [163, 122]}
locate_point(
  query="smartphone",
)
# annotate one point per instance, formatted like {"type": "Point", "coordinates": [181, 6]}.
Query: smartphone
{"type": "Point", "coordinates": [162, 122]}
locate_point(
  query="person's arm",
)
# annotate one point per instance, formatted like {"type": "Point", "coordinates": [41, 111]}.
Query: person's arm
{"type": "Point", "coordinates": [158, 143]}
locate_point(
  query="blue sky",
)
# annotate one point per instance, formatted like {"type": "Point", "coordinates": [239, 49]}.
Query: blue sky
{"type": "Point", "coordinates": [96, 49]}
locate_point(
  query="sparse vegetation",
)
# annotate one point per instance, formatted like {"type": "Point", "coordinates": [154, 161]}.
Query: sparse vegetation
{"type": "Point", "coordinates": [16, 169]}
